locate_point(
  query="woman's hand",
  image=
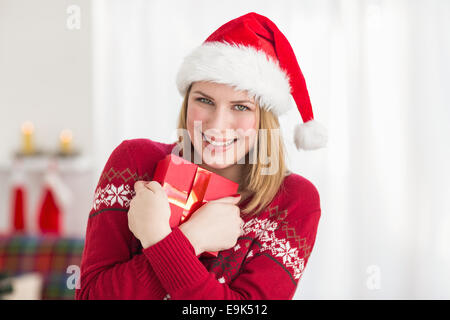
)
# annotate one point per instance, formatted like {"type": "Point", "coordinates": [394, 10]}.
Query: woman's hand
{"type": "Point", "coordinates": [215, 226]}
{"type": "Point", "coordinates": [149, 213]}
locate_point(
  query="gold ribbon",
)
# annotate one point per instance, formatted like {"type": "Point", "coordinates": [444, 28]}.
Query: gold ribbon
{"type": "Point", "coordinates": [192, 201]}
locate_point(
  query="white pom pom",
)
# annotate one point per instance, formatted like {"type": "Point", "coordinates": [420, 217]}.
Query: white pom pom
{"type": "Point", "coordinates": [310, 135]}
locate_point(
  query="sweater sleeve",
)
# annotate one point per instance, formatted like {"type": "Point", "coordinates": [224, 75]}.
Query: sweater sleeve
{"type": "Point", "coordinates": [112, 267]}
{"type": "Point", "coordinates": [272, 269]}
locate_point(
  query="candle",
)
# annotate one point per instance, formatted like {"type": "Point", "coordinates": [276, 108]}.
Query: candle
{"type": "Point", "coordinates": [65, 139]}
{"type": "Point", "coordinates": [27, 137]}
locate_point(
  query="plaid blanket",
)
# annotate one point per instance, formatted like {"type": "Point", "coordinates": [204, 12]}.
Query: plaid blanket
{"type": "Point", "coordinates": [50, 256]}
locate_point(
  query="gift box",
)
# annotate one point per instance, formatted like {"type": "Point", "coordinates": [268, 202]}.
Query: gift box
{"type": "Point", "coordinates": [188, 187]}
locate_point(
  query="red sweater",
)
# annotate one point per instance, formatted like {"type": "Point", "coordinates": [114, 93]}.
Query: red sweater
{"type": "Point", "coordinates": [267, 262]}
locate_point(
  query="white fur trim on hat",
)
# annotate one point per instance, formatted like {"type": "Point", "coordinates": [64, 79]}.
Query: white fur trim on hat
{"type": "Point", "coordinates": [242, 67]}
{"type": "Point", "coordinates": [310, 135]}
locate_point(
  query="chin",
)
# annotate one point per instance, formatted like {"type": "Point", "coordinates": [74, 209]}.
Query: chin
{"type": "Point", "coordinates": [217, 163]}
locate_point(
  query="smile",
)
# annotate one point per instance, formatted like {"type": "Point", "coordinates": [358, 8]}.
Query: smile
{"type": "Point", "coordinates": [216, 143]}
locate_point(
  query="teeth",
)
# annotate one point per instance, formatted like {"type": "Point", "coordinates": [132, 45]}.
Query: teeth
{"type": "Point", "coordinates": [218, 144]}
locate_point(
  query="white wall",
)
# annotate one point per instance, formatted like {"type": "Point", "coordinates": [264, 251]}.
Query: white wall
{"type": "Point", "coordinates": [46, 77]}
{"type": "Point", "coordinates": [45, 73]}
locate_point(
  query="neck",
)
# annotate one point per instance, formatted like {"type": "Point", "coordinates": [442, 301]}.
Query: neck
{"type": "Point", "coordinates": [233, 172]}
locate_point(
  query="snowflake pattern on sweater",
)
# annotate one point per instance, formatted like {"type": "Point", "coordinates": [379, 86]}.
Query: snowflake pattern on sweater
{"type": "Point", "coordinates": [269, 235]}
{"type": "Point", "coordinates": [110, 195]}
{"type": "Point", "coordinates": [264, 230]}
{"type": "Point", "coordinates": [121, 194]}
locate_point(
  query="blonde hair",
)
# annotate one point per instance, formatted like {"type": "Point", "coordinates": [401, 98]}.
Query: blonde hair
{"type": "Point", "coordinates": [262, 188]}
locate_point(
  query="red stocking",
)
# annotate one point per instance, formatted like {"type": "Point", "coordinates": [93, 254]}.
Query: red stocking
{"type": "Point", "coordinates": [49, 213]}
{"type": "Point", "coordinates": [18, 208]}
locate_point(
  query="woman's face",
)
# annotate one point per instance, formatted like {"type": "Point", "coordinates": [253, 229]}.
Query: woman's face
{"type": "Point", "coordinates": [222, 123]}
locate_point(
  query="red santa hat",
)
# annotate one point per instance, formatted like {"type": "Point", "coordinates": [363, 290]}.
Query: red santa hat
{"type": "Point", "coordinates": [251, 54]}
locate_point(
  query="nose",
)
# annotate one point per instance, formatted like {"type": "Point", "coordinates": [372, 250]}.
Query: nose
{"type": "Point", "coordinates": [221, 120]}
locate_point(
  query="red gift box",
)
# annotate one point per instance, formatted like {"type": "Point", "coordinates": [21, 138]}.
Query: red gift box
{"type": "Point", "coordinates": [189, 186]}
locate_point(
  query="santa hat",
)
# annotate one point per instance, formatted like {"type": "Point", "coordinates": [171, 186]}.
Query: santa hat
{"type": "Point", "coordinates": [251, 54]}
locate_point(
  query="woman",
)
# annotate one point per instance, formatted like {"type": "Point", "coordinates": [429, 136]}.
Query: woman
{"type": "Point", "coordinates": [235, 85]}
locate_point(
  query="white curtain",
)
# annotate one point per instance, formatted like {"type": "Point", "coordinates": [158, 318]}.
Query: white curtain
{"type": "Point", "coordinates": [378, 74]}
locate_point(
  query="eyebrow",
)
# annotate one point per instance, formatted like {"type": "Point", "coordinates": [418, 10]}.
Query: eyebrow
{"type": "Point", "coordinates": [237, 101]}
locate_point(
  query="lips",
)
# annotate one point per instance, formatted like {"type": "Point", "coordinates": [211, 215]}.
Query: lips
{"type": "Point", "coordinates": [216, 143]}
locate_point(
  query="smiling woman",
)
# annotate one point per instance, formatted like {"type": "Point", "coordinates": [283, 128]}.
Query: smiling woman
{"type": "Point", "coordinates": [233, 95]}
{"type": "Point", "coordinates": [220, 121]}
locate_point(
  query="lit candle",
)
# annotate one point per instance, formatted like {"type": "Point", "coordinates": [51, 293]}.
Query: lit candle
{"type": "Point", "coordinates": [27, 137]}
{"type": "Point", "coordinates": [65, 139]}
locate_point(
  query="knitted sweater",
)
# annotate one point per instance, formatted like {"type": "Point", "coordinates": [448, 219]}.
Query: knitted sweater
{"type": "Point", "coordinates": [267, 262]}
